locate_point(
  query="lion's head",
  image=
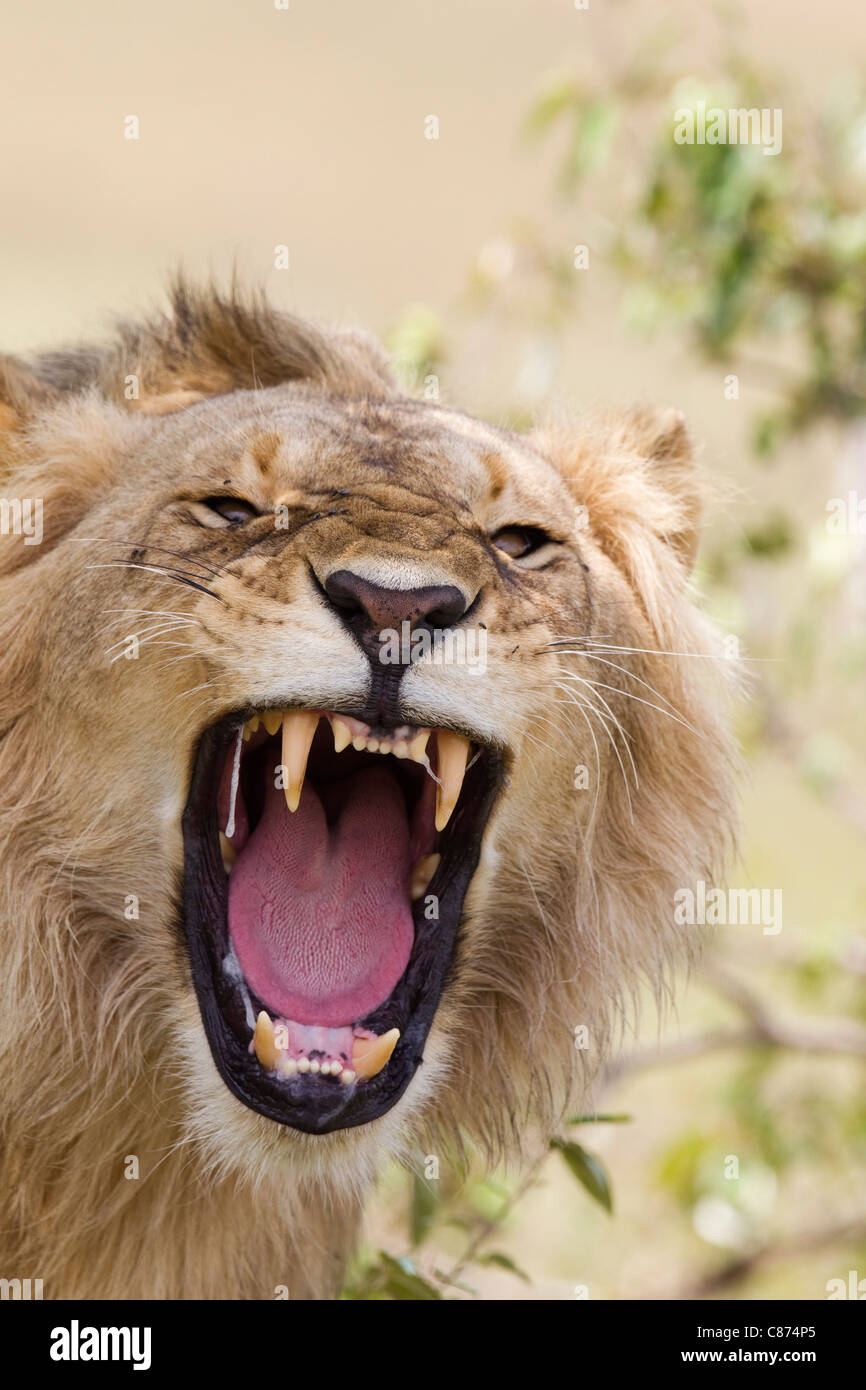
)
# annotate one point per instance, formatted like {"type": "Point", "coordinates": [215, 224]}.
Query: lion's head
{"type": "Point", "coordinates": [353, 751]}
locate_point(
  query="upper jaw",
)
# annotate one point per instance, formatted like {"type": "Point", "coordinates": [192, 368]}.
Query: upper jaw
{"type": "Point", "coordinates": [271, 1080]}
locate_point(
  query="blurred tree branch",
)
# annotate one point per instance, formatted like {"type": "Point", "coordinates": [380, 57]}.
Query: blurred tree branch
{"type": "Point", "coordinates": [850, 1230]}
{"type": "Point", "coordinates": [842, 1037]}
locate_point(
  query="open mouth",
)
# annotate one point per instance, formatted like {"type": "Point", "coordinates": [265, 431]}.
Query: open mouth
{"type": "Point", "coordinates": [325, 867]}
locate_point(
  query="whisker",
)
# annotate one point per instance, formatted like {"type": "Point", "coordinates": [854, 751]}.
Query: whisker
{"type": "Point", "coordinates": [572, 694]}
{"type": "Point", "coordinates": [627, 694]}
{"type": "Point", "coordinates": [609, 647]}
{"type": "Point", "coordinates": [180, 576]}
{"type": "Point", "coordinates": [625, 736]}
{"type": "Point", "coordinates": [593, 656]}
{"type": "Point", "coordinates": [581, 711]}
{"type": "Point", "coordinates": [146, 545]}
{"type": "Point", "coordinates": [144, 638]}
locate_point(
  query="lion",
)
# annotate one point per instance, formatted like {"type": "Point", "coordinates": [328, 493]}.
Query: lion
{"type": "Point", "coordinates": [353, 750]}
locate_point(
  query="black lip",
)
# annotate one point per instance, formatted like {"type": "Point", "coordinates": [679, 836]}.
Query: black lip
{"type": "Point", "coordinates": [313, 1104]}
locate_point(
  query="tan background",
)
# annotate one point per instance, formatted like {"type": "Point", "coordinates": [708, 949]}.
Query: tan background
{"type": "Point", "coordinates": [306, 127]}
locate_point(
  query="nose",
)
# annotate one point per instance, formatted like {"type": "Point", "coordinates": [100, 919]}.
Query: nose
{"type": "Point", "coordinates": [369, 608]}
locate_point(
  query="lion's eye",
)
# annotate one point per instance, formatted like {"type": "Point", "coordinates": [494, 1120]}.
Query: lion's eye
{"type": "Point", "coordinates": [520, 541]}
{"type": "Point", "coordinates": [234, 509]}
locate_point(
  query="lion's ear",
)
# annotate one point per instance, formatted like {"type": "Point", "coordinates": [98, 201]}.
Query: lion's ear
{"type": "Point", "coordinates": [663, 439]}
{"type": "Point", "coordinates": [634, 472]}
{"type": "Point", "coordinates": [22, 394]}
{"type": "Point", "coordinates": [54, 471]}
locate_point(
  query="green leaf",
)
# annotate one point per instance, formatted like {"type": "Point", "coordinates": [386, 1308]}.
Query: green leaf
{"type": "Point", "coordinates": [559, 95]}
{"type": "Point", "coordinates": [502, 1261]}
{"type": "Point", "coordinates": [771, 538]}
{"type": "Point", "coordinates": [456, 1283]}
{"type": "Point", "coordinates": [588, 1170]}
{"type": "Point", "coordinates": [423, 1204]}
{"type": "Point", "coordinates": [403, 1282]}
{"type": "Point", "coordinates": [591, 138]}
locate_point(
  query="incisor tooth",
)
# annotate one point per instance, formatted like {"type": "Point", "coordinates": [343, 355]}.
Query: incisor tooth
{"type": "Point", "coordinates": [370, 1055]}
{"type": "Point", "coordinates": [342, 735]}
{"type": "Point", "coordinates": [452, 751]}
{"type": "Point", "coordinates": [299, 727]}
{"type": "Point", "coordinates": [272, 720]}
{"type": "Point", "coordinates": [422, 874]}
{"type": "Point", "coordinates": [264, 1043]}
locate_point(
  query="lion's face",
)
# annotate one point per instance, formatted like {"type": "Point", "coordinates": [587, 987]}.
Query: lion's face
{"type": "Point", "coordinates": [364, 756]}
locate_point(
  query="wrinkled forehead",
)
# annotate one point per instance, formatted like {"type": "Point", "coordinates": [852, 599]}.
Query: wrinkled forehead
{"type": "Point", "coordinates": [279, 442]}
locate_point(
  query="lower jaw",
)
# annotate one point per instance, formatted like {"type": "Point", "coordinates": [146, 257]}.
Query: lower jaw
{"type": "Point", "coordinates": [309, 1097]}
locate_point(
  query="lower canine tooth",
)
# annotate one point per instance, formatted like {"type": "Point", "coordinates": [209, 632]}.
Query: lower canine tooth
{"type": "Point", "coordinates": [227, 850]}
{"type": "Point", "coordinates": [422, 874]}
{"type": "Point", "coordinates": [263, 1041]}
{"type": "Point", "coordinates": [452, 752]}
{"type": "Point", "coordinates": [299, 727]}
{"type": "Point", "coordinates": [370, 1055]}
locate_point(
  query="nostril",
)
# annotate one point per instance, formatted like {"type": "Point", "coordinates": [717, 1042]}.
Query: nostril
{"type": "Point", "coordinates": [447, 613]}
{"type": "Point", "coordinates": [342, 594]}
{"type": "Point", "coordinates": [434, 605]}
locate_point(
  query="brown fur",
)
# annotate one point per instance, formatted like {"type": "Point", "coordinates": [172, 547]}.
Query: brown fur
{"type": "Point", "coordinates": [102, 1054]}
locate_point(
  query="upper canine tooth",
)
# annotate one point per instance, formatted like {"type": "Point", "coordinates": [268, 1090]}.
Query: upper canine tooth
{"type": "Point", "coordinates": [299, 727]}
{"type": "Point", "coordinates": [422, 874]}
{"type": "Point", "coordinates": [370, 1055]}
{"type": "Point", "coordinates": [418, 745]}
{"type": "Point", "coordinates": [452, 752]}
{"type": "Point", "coordinates": [342, 734]}
{"type": "Point", "coordinates": [264, 1042]}
{"type": "Point", "coordinates": [272, 720]}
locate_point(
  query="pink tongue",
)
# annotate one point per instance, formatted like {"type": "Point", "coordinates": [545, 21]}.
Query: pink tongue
{"type": "Point", "coordinates": [320, 916]}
